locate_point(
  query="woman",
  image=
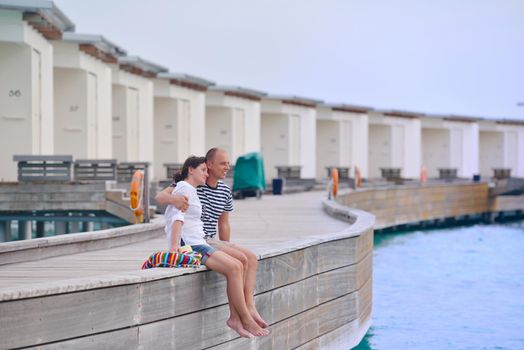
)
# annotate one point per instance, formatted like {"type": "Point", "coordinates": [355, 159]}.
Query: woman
{"type": "Point", "coordinates": [189, 228]}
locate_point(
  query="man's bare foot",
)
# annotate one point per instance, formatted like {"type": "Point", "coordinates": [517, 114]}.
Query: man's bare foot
{"type": "Point", "coordinates": [252, 327]}
{"type": "Point", "coordinates": [236, 325]}
{"type": "Point", "coordinates": [256, 316]}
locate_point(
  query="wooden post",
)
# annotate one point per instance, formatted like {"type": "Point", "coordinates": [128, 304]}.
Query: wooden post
{"type": "Point", "coordinates": [5, 231]}
{"type": "Point", "coordinates": [87, 226]}
{"type": "Point", "coordinates": [24, 229]}
{"type": "Point", "coordinates": [145, 197]}
{"type": "Point", "coordinates": [40, 229]}
{"type": "Point", "coordinates": [74, 226]}
{"type": "Point", "coordinates": [60, 227]}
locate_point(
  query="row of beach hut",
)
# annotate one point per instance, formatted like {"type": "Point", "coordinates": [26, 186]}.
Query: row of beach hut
{"type": "Point", "coordinates": [62, 92]}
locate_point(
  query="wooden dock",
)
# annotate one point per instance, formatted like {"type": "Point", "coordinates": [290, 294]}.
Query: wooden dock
{"type": "Point", "coordinates": [294, 239]}
{"type": "Point", "coordinates": [257, 224]}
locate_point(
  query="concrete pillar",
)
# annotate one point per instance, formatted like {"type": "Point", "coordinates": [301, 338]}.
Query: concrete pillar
{"type": "Point", "coordinates": [60, 227]}
{"type": "Point", "coordinates": [40, 229]}
{"type": "Point", "coordinates": [24, 229]}
{"type": "Point", "coordinates": [5, 231]}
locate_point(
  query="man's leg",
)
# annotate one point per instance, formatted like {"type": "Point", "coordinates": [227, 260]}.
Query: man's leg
{"type": "Point", "coordinates": [249, 260]}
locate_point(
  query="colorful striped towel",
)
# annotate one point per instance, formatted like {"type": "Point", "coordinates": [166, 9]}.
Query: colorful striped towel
{"type": "Point", "coordinates": [167, 259]}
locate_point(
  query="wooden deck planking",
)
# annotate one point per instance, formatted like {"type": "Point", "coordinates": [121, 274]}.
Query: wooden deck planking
{"type": "Point", "coordinates": [256, 224]}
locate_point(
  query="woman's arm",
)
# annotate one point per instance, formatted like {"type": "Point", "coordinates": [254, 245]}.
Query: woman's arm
{"type": "Point", "coordinates": [175, 235]}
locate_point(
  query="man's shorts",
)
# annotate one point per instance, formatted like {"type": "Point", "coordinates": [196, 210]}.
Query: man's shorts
{"type": "Point", "coordinates": [205, 250]}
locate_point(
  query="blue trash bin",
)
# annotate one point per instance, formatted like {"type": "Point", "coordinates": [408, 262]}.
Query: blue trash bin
{"type": "Point", "coordinates": [277, 186]}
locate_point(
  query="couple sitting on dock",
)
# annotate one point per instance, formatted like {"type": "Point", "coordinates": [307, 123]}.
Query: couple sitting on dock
{"type": "Point", "coordinates": [198, 201]}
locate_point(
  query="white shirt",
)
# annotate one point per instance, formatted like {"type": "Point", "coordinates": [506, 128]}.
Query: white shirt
{"type": "Point", "coordinates": [192, 228]}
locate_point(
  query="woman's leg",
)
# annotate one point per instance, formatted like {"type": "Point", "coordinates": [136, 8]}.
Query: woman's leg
{"type": "Point", "coordinates": [250, 263]}
{"type": "Point", "coordinates": [233, 270]}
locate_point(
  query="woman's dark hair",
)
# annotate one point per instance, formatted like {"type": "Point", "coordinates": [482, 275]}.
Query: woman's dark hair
{"type": "Point", "coordinates": [191, 162]}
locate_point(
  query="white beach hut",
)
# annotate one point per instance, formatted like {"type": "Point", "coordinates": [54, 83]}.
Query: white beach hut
{"type": "Point", "coordinates": [26, 78]}
{"type": "Point", "coordinates": [394, 142]}
{"type": "Point", "coordinates": [180, 119]}
{"type": "Point", "coordinates": [501, 146]}
{"type": "Point", "coordinates": [288, 134]}
{"type": "Point", "coordinates": [82, 95]}
{"type": "Point", "coordinates": [450, 142]}
{"type": "Point", "coordinates": [133, 101]}
{"type": "Point", "coordinates": [342, 138]}
{"type": "Point", "coordinates": [233, 119]}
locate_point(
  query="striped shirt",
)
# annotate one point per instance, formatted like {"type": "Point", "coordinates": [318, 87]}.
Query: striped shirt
{"type": "Point", "coordinates": [215, 201]}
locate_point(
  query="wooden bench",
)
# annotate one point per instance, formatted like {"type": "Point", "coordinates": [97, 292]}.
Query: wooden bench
{"type": "Point", "coordinates": [343, 172]}
{"type": "Point", "coordinates": [126, 170]}
{"type": "Point", "coordinates": [288, 171]}
{"type": "Point", "coordinates": [172, 169]}
{"type": "Point", "coordinates": [501, 173]}
{"type": "Point", "coordinates": [447, 174]}
{"type": "Point", "coordinates": [95, 169]}
{"type": "Point", "coordinates": [43, 168]}
{"type": "Point", "coordinates": [391, 174]}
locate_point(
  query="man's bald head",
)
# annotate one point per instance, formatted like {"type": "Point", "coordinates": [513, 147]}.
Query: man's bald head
{"type": "Point", "coordinates": [210, 155]}
{"type": "Point", "coordinates": [217, 161]}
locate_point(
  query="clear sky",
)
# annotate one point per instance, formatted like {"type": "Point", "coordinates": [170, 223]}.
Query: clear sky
{"type": "Point", "coordinates": [463, 57]}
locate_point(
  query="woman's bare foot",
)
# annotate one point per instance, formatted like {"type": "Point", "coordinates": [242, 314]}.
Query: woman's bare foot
{"type": "Point", "coordinates": [236, 325]}
{"type": "Point", "coordinates": [252, 327]}
{"type": "Point", "coordinates": [256, 316]}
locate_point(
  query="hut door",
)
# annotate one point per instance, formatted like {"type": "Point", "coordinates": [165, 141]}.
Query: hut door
{"type": "Point", "coordinates": [456, 149]}
{"type": "Point", "coordinates": [397, 146]}
{"type": "Point", "coordinates": [345, 143]}
{"type": "Point", "coordinates": [36, 62]}
{"type": "Point", "coordinates": [119, 124]}
{"type": "Point", "coordinates": [238, 134]}
{"type": "Point", "coordinates": [294, 140]}
{"type": "Point", "coordinates": [92, 116]}
{"type": "Point", "coordinates": [133, 132]}
{"type": "Point", "coordinates": [183, 129]}
{"type": "Point", "coordinates": [511, 152]}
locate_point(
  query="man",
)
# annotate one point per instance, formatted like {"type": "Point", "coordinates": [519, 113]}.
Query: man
{"type": "Point", "coordinates": [217, 203]}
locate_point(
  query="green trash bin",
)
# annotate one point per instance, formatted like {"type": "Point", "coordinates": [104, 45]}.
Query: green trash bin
{"type": "Point", "coordinates": [249, 179]}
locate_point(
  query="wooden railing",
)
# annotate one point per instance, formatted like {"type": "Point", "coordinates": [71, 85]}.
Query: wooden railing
{"type": "Point", "coordinates": [43, 168]}
{"type": "Point", "coordinates": [391, 174]}
{"type": "Point", "coordinates": [343, 171]}
{"type": "Point", "coordinates": [95, 169]}
{"type": "Point", "coordinates": [447, 173]}
{"type": "Point", "coordinates": [288, 171]}
{"type": "Point", "coordinates": [501, 173]}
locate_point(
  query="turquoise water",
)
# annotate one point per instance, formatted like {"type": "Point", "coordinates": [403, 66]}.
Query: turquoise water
{"type": "Point", "coordinates": [51, 223]}
{"type": "Point", "coordinates": [458, 288]}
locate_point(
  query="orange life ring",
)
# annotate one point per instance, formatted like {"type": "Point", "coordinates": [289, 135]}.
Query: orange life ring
{"type": "Point", "coordinates": [358, 178]}
{"type": "Point", "coordinates": [136, 194]}
{"type": "Point", "coordinates": [423, 175]}
{"type": "Point", "coordinates": [334, 180]}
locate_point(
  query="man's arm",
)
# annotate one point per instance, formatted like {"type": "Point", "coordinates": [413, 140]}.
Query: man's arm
{"type": "Point", "coordinates": [164, 197]}
{"type": "Point", "coordinates": [224, 229]}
